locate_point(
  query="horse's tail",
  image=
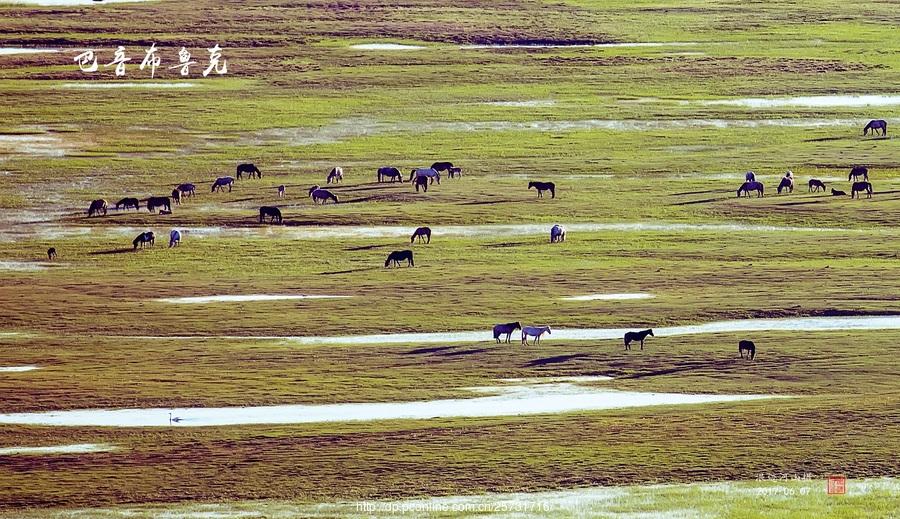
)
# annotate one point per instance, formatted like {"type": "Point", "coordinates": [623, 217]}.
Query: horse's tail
{"type": "Point", "coordinates": [552, 191]}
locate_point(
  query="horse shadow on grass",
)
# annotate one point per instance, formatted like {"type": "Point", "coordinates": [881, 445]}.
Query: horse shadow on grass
{"type": "Point", "coordinates": [349, 271]}
{"type": "Point", "coordinates": [558, 359]}
{"type": "Point", "coordinates": [113, 251]}
{"type": "Point", "coordinates": [719, 366]}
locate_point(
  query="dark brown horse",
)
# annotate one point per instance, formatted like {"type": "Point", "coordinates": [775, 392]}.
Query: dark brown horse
{"type": "Point", "coordinates": [859, 187]}
{"type": "Point", "coordinates": [421, 181]}
{"type": "Point", "coordinates": [875, 125]}
{"type": "Point", "coordinates": [543, 186]}
{"type": "Point", "coordinates": [388, 172]}
{"type": "Point", "coordinates": [455, 172]}
{"type": "Point", "coordinates": [858, 171]}
{"type": "Point", "coordinates": [143, 238]}
{"type": "Point", "coordinates": [442, 166]}
{"type": "Point", "coordinates": [421, 233]}
{"type": "Point", "coordinates": [250, 169]}
{"type": "Point", "coordinates": [815, 184]}
{"type": "Point", "coordinates": [51, 253]}
{"type": "Point", "coordinates": [128, 203]}
{"type": "Point", "coordinates": [836, 192]}
{"type": "Point", "coordinates": [176, 196]}
{"type": "Point", "coordinates": [97, 206]}
{"type": "Point", "coordinates": [400, 255]}
{"type": "Point", "coordinates": [637, 336]}
{"type": "Point", "coordinates": [187, 189]}
{"type": "Point", "coordinates": [749, 347]}
{"type": "Point", "coordinates": [507, 329]}
{"type": "Point", "coordinates": [786, 183]}
{"type": "Point", "coordinates": [746, 187]}
{"type": "Point", "coordinates": [272, 213]}
{"type": "Point", "coordinates": [159, 201]}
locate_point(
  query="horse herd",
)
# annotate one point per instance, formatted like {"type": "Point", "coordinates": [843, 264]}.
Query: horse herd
{"type": "Point", "coordinates": [814, 184]}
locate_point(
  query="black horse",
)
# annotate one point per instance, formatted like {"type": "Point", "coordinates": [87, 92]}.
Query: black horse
{"type": "Point", "coordinates": [420, 233]}
{"type": "Point", "coordinates": [250, 169]}
{"type": "Point", "coordinates": [176, 196]}
{"type": "Point", "coordinates": [421, 181]}
{"type": "Point", "coordinates": [507, 329]}
{"type": "Point", "coordinates": [815, 184]}
{"type": "Point", "coordinates": [858, 171]}
{"type": "Point", "coordinates": [388, 172]}
{"type": "Point", "coordinates": [51, 253]}
{"type": "Point", "coordinates": [273, 213]}
{"type": "Point", "coordinates": [749, 347]}
{"type": "Point", "coordinates": [442, 166]}
{"type": "Point", "coordinates": [128, 203]}
{"type": "Point", "coordinates": [454, 172]}
{"type": "Point", "coordinates": [875, 125]}
{"type": "Point", "coordinates": [859, 187]}
{"type": "Point", "coordinates": [97, 206]}
{"type": "Point", "coordinates": [159, 201]}
{"type": "Point", "coordinates": [637, 336]}
{"type": "Point", "coordinates": [837, 192]}
{"type": "Point", "coordinates": [144, 237]}
{"type": "Point", "coordinates": [543, 186]}
{"type": "Point", "coordinates": [399, 255]}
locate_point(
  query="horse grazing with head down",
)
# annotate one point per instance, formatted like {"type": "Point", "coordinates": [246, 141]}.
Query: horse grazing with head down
{"type": "Point", "coordinates": [749, 347]}
{"type": "Point", "coordinates": [143, 238]}
{"type": "Point", "coordinates": [388, 172]}
{"type": "Point", "coordinates": [176, 196]}
{"type": "Point", "coordinates": [221, 183]}
{"type": "Point", "coordinates": [875, 125]}
{"type": "Point", "coordinates": [543, 186]}
{"type": "Point", "coordinates": [454, 172]}
{"type": "Point", "coordinates": [187, 189]}
{"type": "Point", "coordinates": [272, 213]}
{"type": "Point", "coordinates": [815, 184]}
{"type": "Point", "coordinates": [159, 201]}
{"type": "Point", "coordinates": [250, 169]}
{"type": "Point", "coordinates": [859, 187]}
{"type": "Point", "coordinates": [431, 173]}
{"type": "Point", "coordinates": [534, 331]}
{"type": "Point", "coordinates": [174, 238]}
{"type": "Point", "coordinates": [51, 253]}
{"type": "Point", "coordinates": [786, 183]}
{"type": "Point", "coordinates": [97, 206]}
{"type": "Point", "coordinates": [637, 336]}
{"type": "Point", "coordinates": [335, 175]}
{"type": "Point", "coordinates": [421, 233]}
{"type": "Point", "coordinates": [505, 329]}
{"type": "Point", "coordinates": [557, 234]}
{"type": "Point", "coordinates": [858, 171]}
{"type": "Point", "coordinates": [400, 255]}
{"type": "Point", "coordinates": [128, 203]}
{"type": "Point", "coordinates": [323, 195]}
{"type": "Point", "coordinates": [746, 187]}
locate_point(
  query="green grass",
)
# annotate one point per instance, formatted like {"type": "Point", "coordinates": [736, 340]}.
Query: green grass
{"type": "Point", "coordinates": [298, 101]}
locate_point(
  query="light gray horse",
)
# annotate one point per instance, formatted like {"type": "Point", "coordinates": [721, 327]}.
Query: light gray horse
{"type": "Point", "coordinates": [425, 172]}
{"type": "Point", "coordinates": [174, 238]}
{"type": "Point", "coordinates": [534, 331]}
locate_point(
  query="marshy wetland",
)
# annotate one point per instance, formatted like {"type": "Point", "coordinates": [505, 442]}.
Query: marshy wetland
{"type": "Point", "coordinates": [264, 370]}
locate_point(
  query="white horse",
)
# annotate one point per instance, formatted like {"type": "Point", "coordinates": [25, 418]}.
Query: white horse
{"type": "Point", "coordinates": [336, 175]}
{"type": "Point", "coordinates": [174, 238]}
{"type": "Point", "coordinates": [557, 234]}
{"type": "Point", "coordinates": [534, 331]}
{"type": "Point", "coordinates": [425, 172]}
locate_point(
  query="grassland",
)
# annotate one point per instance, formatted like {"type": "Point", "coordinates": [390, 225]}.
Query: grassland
{"type": "Point", "coordinates": [625, 132]}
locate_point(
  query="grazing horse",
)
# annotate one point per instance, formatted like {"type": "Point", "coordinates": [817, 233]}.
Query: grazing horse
{"type": "Point", "coordinates": [51, 253]}
{"type": "Point", "coordinates": [97, 206]}
{"type": "Point", "coordinates": [816, 183]}
{"type": "Point", "coordinates": [750, 177]}
{"type": "Point", "coordinates": [442, 166]}
{"type": "Point", "coordinates": [425, 172]}
{"type": "Point", "coordinates": [176, 196]}
{"type": "Point", "coordinates": [861, 186]}
{"type": "Point", "coordinates": [637, 336]}
{"type": "Point", "coordinates": [159, 201]}
{"type": "Point", "coordinates": [746, 187]}
{"type": "Point", "coordinates": [221, 182]}
{"type": "Point", "coordinates": [836, 192]}
{"type": "Point", "coordinates": [749, 347]}
{"type": "Point", "coordinates": [786, 183]}
{"type": "Point", "coordinates": [455, 172]}
{"type": "Point", "coordinates": [273, 213]}
{"type": "Point", "coordinates": [128, 203]}
{"type": "Point", "coordinates": [187, 189]}
{"type": "Point", "coordinates": [557, 234]}
{"type": "Point", "coordinates": [507, 329]}
{"type": "Point", "coordinates": [875, 125]}
{"type": "Point", "coordinates": [321, 194]}
{"type": "Point", "coordinates": [174, 238]}
{"type": "Point", "coordinates": [420, 233]}
{"type": "Point", "coordinates": [391, 173]}
{"type": "Point", "coordinates": [858, 171]}
{"type": "Point", "coordinates": [399, 255]}
{"type": "Point", "coordinates": [543, 186]}
{"type": "Point", "coordinates": [247, 168]}
{"type": "Point", "coordinates": [281, 191]}
{"type": "Point", "coordinates": [144, 237]}
{"type": "Point", "coordinates": [335, 175]}
{"type": "Point", "coordinates": [421, 181]}
{"type": "Point", "coordinates": [534, 331]}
